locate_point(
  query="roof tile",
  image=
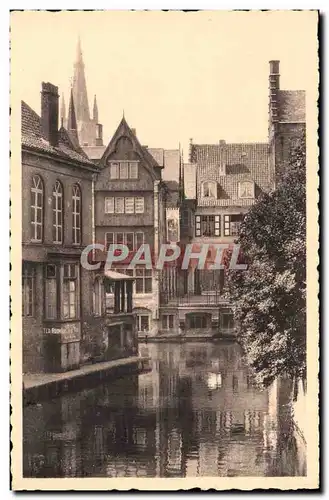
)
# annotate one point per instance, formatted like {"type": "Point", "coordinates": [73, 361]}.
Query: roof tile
{"type": "Point", "coordinates": [32, 138]}
{"type": "Point", "coordinates": [245, 161]}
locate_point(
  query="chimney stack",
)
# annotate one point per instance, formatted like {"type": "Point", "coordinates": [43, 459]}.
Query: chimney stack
{"type": "Point", "coordinates": [274, 86]}
{"type": "Point", "coordinates": [49, 113]}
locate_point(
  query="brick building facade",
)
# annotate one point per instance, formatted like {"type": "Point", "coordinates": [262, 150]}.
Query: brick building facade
{"type": "Point", "coordinates": [130, 210]}
{"type": "Point", "coordinates": [56, 225]}
{"type": "Point", "coordinates": [221, 182]}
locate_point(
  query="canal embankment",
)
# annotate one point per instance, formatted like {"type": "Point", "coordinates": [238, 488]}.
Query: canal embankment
{"type": "Point", "coordinates": [191, 336]}
{"type": "Point", "coordinates": [39, 386]}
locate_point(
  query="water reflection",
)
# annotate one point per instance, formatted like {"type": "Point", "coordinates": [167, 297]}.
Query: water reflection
{"type": "Point", "coordinates": [196, 413]}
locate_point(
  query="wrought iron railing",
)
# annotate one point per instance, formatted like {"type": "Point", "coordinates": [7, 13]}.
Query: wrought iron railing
{"type": "Point", "coordinates": [204, 299]}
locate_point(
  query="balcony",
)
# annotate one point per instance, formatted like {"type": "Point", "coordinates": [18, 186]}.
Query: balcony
{"type": "Point", "coordinates": [206, 299]}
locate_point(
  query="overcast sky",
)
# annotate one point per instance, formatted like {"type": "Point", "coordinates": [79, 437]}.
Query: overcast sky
{"type": "Point", "coordinates": [201, 75]}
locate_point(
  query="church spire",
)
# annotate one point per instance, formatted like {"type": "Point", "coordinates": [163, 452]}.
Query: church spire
{"type": "Point", "coordinates": [95, 110]}
{"type": "Point", "coordinates": [63, 112]}
{"type": "Point", "coordinates": [72, 124]}
{"type": "Point", "coordinates": [80, 88]}
{"type": "Point", "coordinates": [71, 121]}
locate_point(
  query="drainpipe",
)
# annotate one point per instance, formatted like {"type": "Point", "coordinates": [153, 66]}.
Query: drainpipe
{"type": "Point", "coordinates": [93, 213]}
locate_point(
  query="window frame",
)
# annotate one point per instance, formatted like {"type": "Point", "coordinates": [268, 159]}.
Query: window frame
{"type": "Point", "coordinates": [209, 184]}
{"type": "Point", "coordinates": [202, 220]}
{"type": "Point", "coordinates": [109, 204]}
{"type": "Point", "coordinates": [123, 169]}
{"type": "Point", "coordinates": [117, 208]}
{"type": "Point", "coordinates": [98, 296]}
{"type": "Point", "coordinates": [165, 323]}
{"type": "Point", "coordinates": [142, 199]}
{"type": "Point", "coordinates": [59, 280]}
{"type": "Point", "coordinates": [132, 200]}
{"type": "Point", "coordinates": [139, 317]}
{"type": "Point", "coordinates": [58, 213]}
{"type": "Point", "coordinates": [35, 191]}
{"type": "Point", "coordinates": [240, 187]}
{"type": "Point", "coordinates": [76, 215]}
{"type": "Point", "coordinates": [28, 290]}
{"type": "Point", "coordinates": [227, 224]}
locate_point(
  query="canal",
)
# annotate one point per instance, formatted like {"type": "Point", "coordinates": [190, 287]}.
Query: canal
{"type": "Point", "coordinates": [196, 413]}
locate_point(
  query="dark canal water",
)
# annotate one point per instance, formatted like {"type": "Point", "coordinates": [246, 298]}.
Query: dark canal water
{"type": "Point", "coordinates": [197, 413]}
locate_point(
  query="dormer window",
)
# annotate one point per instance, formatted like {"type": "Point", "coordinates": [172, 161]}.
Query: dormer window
{"type": "Point", "coordinates": [247, 189]}
{"type": "Point", "coordinates": [209, 189]}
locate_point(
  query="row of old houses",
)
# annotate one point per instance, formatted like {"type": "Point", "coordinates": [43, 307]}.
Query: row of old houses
{"type": "Point", "coordinates": [77, 191]}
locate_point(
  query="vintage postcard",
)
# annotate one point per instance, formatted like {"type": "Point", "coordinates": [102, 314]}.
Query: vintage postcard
{"type": "Point", "coordinates": [164, 218]}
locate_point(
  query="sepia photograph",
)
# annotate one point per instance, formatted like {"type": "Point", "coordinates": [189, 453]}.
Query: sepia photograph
{"type": "Point", "coordinates": [164, 250]}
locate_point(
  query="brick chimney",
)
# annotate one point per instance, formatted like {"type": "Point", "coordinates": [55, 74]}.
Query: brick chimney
{"type": "Point", "coordinates": [274, 86]}
{"type": "Point", "coordinates": [49, 112]}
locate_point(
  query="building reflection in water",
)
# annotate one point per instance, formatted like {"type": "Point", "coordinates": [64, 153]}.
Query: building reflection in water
{"type": "Point", "coordinates": [196, 413]}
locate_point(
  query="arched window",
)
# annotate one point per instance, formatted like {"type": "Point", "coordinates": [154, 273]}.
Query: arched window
{"type": "Point", "coordinates": [37, 208]}
{"type": "Point", "coordinates": [247, 189]}
{"type": "Point", "coordinates": [209, 189]}
{"type": "Point", "coordinates": [58, 213]}
{"type": "Point", "coordinates": [76, 215]}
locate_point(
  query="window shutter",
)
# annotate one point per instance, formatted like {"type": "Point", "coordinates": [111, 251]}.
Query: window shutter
{"type": "Point", "coordinates": [226, 225]}
{"type": "Point", "coordinates": [129, 205]}
{"type": "Point", "coordinates": [217, 225]}
{"type": "Point", "coordinates": [139, 205]}
{"type": "Point", "coordinates": [109, 205]}
{"type": "Point", "coordinates": [119, 205]}
{"type": "Point", "coordinates": [197, 225]}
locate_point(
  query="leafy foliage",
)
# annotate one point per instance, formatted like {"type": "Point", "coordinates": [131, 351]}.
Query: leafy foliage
{"type": "Point", "coordinates": [269, 299]}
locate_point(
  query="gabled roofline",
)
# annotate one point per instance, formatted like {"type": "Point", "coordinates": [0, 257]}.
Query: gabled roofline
{"type": "Point", "coordinates": [122, 130]}
{"type": "Point", "coordinates": [37, 152]}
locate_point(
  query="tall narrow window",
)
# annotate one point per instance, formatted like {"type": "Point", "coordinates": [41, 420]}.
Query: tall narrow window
{"type": "Point", "coordinates": [130, 241]}
{"type": "Point", "coordinates": [119, 205]}
{"type": "Point", "coordinates": [123, 170]}
{"type": "Point", "coordinates": [98, 296]}
{"type": "Point", "coordinates": [76, 215]}
{"type": "Point", "coordinates": [232, 224]}
{"type": "Point", "coordinates": [133, 170]}
{"type": "Point", "coordinates": [58, 213]}
{"type": "Point", "coordinates": [109, 240]}
{"type": "Point", "coordinates": [129, 205]}
{"type": "Point", "coordinates": [70, 302]}
{"type": "Point", "coordinates": [37, 208]}
{"type": "Point", "coordinates": [109, 205]}
{"type": "Point", "coordinates": [139, 239]}
{"type": "Point", "coordinates": [51, 291]}
{"type": "Point", "coordinates": [114, 170]}
{"type": "Point", "coordinates": [139, 205]}
{"type": "Point", "coordinates": [28, 289]}
{"type": "Point", "coordinates": [143, 283]}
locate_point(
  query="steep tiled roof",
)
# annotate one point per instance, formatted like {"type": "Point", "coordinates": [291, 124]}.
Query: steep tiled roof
{"type": "Point", "coordinates": [291, 105]}
{"type": "Point", "coordinates": [158, 155]}
{"type": "Point", "coordinates": [94, 152]}
{"type": "Point", "coordinates": [124, 130]}
{"type": "Point", "coordinates": [33, 139]}
{"type": "Point", "coordinates": [168, 159]}
{"type": "Point", "coordinates": [243, 162]}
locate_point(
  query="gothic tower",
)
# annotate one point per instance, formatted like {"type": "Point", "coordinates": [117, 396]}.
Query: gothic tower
{"type": "Point", "coordinates": [88, 129]}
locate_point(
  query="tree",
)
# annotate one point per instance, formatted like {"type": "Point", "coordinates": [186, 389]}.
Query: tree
{"type": "Point", "coordinates": [269, 298]}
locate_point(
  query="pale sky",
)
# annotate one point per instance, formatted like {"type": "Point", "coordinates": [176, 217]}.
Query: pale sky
{"type": "Point", "coordinates": [177, 75]}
